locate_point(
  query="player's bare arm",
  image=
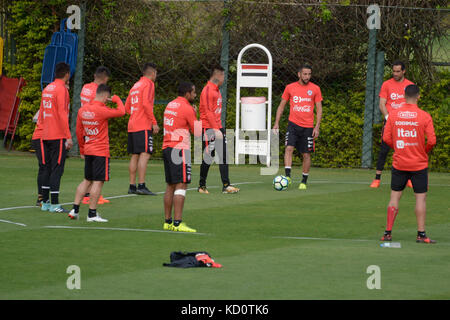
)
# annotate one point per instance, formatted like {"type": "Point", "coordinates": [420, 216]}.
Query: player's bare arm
{"type": "Point", "coordinates": [383, 108]}
{"type": "Point", "coordinates": [318, 120]}
{"type": "Point", "coordinates": [280, 110]}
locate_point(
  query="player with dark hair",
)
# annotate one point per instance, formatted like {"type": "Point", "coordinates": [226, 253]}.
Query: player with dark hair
{"type": "Point", "coordinates": [93, 139]}
{"type": "Point", "coordinates": [392, 97]}
{"type": "Point", "coordinates": [302, 95]}
{"type": "Point", "coordinates": [179, 119]}
{"type": "Point", "coordinates": [141, 127]}
{"type": "Point", "coordinates": [212, 131]}
{"type": "Point", "coordinates": [410, 132]}
{"type": "Point", "coordinates": [101, 76]}
{"type": "Point", "coordinates": [56, 138]}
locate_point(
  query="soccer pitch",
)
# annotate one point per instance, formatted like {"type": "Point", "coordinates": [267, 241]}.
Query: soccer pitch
{"type": "Point", "coordinates": [294, 244]}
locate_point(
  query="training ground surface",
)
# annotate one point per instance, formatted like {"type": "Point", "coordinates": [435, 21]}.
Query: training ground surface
{"type": "Point", "coordinates": [294, 244]}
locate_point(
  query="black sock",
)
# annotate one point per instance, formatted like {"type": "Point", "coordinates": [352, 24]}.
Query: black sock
{"type": "Point", "coordinates": [45, 194]}
{"type": "Point", "coordinates": [421, 234]}
{"type": "Point", "coordinates": [305, 177]}
{"type": "Point", "coordinates": [87, 194]}
{"type": "Point", "coordinates": [378, 176]}
{"type": "Point", "coordinates": [76, 208]}
{"type": "Point", "coordinates": [55, 197]}
{"type": "Point", "coordinates": [132, 186]}
{"type": "Point", "coordinates": [92, 213]}
{"type": "Point", "coordinates": [141, 185]}
{"type": "Point", "coordinates": [287, 171]}
{"type": "Point", "coordinates": [387, 232]}
{"type": "Point", "coordinates": [169, 221]}
{"type": "Point", "coordinates": [176, 223]}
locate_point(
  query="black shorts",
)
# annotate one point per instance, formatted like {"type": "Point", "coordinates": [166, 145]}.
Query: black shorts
{"type": "Point", "coordinates": [96, 168]}
{"type": "Point", "coordinates": [140, 141]}
{"type": "Point", "coordinates": [300, 138]}
{"type": "Point", "coordinates": [419, 180]}
{"type": "Point", "coordinates": [177, 165]}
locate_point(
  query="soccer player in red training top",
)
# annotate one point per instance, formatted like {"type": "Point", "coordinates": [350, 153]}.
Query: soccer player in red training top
{"type": "Point", "coordinates": [302, 95]}
{"type": "Point", "coordinates": [410, 132]}
{"type": "Point", "coordinates": [214, 136]}
{"type": "Point", "coordinates": [36, 145]}
{"type": "Point", "coordinates": [141, 127]}
{"type": "Point", "coordinates": [101, 76]}
{"type": "Point", "coordinates": [56, 138]}
{"type": "Point", "coordinates": [392, 97]}
{"type": "Point", "coordinates": [179, 119]}
{"type": "Point", "coordinates": [93, 139]}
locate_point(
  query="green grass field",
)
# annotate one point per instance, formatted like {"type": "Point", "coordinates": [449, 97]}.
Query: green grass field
{"type": "Point", "coordinates": [313, 244]}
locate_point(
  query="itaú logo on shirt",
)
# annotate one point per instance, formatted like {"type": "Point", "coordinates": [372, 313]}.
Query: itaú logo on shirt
{"type": "Point", "coordinates": [396, 96]}
{"type": "Point", "coordinates": [47, 104]}
{"type": "Point", "coordinates": [297, 99]}
{"type": "Point", "coordinates": [302, 109]}
{"type": "Point", "coordinates": [406, 133]}
{"type": "Point", "coordinates": [407, 115]}
{"type": "Point", "coordinates": [88, 115]}
{"type": "Point", "coordinates": [168, 121]}
{"type": "Point", "coordinates": [91, 132]}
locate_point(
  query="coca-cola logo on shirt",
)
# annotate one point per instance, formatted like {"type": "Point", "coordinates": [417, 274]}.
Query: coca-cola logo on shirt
{"type": "Point", "coordinates": [88, 115]}
{"type": "Point", "coordinates": [86, 92]}
{"type": "Point", "coordinates": [407, 114]}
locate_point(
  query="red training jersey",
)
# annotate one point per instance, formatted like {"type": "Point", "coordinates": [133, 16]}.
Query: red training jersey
{"type": "Point", "coordinates": [54, 111]}
{"type": "Point", "coordinates": [302, 99]}
{"type": "Point", "coordinates": [139, 105]}
{"type": "Point", "coordinates": [88, 93]}
{"type": "Point", "coordinates": [37, 134]}
{"type": "Point", "coordinates": [211, 106]}
{"type": "Point", "coordinates": [394, 93]}
{"type": "Point", "coordinates": [92, 127]}
{"type": "Point", "coordinates": [179, 119]}
{"type": "Point", "coordinates": [405, 132]}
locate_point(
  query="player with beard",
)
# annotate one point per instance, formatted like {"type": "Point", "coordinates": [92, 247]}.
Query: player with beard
{"type": "Point", "coordinates": [303, 96]}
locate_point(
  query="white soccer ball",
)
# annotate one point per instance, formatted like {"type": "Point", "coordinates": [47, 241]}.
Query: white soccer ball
{"type": "Point", "coordinates": [280, 183]}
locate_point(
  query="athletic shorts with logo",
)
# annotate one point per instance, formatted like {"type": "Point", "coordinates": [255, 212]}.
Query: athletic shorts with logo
{"type": "Point", "coordinates": [299, 137]}
{"type": "Point", "coordinates": [140, 141]}
{"type": "Point", "coordinates": [419, 180]}
{"type": "Point", "coordinates": [96, 168]}
{"type": "Point", "coordinates": [177, 165]}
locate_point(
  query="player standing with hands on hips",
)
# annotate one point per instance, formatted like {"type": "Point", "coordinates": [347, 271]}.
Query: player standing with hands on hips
{"type": "Point", "coordinates": [302, 95]}
{"type": "Point", "coordinates": [179, 118]}
{"type": "Point", "coordinates": [392, 97]}
{"type": "Point", "coordinates": [410, 132]}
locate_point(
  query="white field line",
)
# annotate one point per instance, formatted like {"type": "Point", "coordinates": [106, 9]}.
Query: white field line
{"type": "Point", "coordinates": [121, 229]}
{"type": "Point", "coordinates": [129, 195]}
{"type": "Point", "coordinates": [16, 223]}
{"type": "Point", "coordinates": [326, 239]}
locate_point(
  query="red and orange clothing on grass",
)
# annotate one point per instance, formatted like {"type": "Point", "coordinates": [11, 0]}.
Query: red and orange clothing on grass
{"type": "Point", "coordinates": [179, 119]}
{"type": "Point", "coordinates": [302, 99]}
{"type": "Point", "coordinates": [410, 132]}
{"type": "Point", "coordinates": [92, 127]}
{"type": "Point", "coordinates": [394, 93]}
{"type": "Point", "coordinates": [211, 106]}
{"type": "Point", "coordinates": [140, 104]}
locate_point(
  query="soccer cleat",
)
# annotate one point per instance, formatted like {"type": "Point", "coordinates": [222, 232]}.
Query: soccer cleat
{"type": "Point", "coordinates": [57, 209]}
{"type": "Point", "coordinates": [302, 186]}
{"type": "Point", "coordinates": [168, 226]}
{"type": "Point", "coordinates": [86, 200]}
{"type": "Point", "coordinates": [131, 191]}
{"type": "Point", "coordinates": [145, 191]}
{"type": "Point", "coordinates": [409, 184]}
{"type": "Point", "coordinates": [386, 237]}
{"type": "Point", "coordinates": [73, 215]}
{"type": "Point", "coordinates": [230, 189]}
{"type": "Point", "coordinates": [289, 180]}
{"type": "Point", "coordinates": [45, 205]}
{"type": "Point", "coordinates": [182, 227]}
{"type": "Point", "coordinates": [425, 239]}
{"type": "Point", "coordinates": [375, 183]}
{"type": "Point", "coordinates": [96, 218]}
{"type": "Point", "coordinates": [39, 202]}
{"type": "Point", "coordinates": [102, 200]}
{"type": "Point", "coordinates": [203, 189]}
